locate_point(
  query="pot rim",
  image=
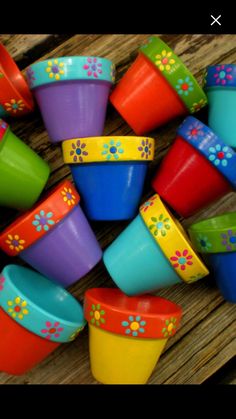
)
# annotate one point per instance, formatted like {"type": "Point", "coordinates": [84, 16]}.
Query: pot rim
{"type": "Point", "coordinates": [32, 225]}
{"type": "Point", "coordinates": [54, 70]}
{"type": "Point", "coordinates": [117, 312]}
{"type": "Point", "coordinates": [176, 73]}
{"type": "Point", "coordinates": [32, 306]}
{"type": "Point", "coordinates": [172, 239]}
{"type": "Point", "coordinates": [20, 94]}
{"type": "Point", "coordinates": [220, 76]}
{"type": "Point", "coordinates": [220, 155]}
{"type": "Point", "coordinates": [108, 149]}
{"type": "Point", "coordinates": [215, 234]}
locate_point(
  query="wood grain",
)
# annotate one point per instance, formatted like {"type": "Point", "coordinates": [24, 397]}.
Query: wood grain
{"type": "Point", "coordinates": [206, 339]}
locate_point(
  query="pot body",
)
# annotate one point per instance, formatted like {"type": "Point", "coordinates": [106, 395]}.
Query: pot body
{"type": "Point", "coordinates": [23, 174]}
{"type": "Point", "coordinates": [111, 190]}
{"type": "Point", "coordinates": [75, 108]}
{"type": "Point", "coordinates": [67, 252]}
{"type": "Point", "coordinates": [187, 181]}
{"type": "Point", "coordinates": [222, 113]}
{"type": "Point", "coordinates": [117, 359]}
{"type": "Point", "coordinates": [144, 98]}
{"type": "Point", "coordinates": [136, 262]}
{"type": "Point", "coordinates": [224, 268]}
{"type": "Point", "coordinates": [20, 349]}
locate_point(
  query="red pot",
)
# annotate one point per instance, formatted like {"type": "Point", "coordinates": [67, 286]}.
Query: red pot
{"type": "Point", "coordinates": [28, 348]}
{"type": "Point", "coordinates": [144, 98]}
{"type": "Point", "coordinates": [187, 181]}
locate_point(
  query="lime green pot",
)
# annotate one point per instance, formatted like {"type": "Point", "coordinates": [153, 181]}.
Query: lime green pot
{"type": "Point", "coordinates": [23, 174]}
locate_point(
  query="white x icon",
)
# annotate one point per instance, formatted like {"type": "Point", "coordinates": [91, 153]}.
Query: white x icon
{"type": "Point", "coordinates": [216, 20]}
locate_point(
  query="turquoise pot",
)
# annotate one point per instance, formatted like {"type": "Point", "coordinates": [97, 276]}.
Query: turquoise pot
{"type": "Point", "coordinates": [136, 263]}
{"type": "Point", "coordinates": [222, 113]}
{"type": "Point", "coordinates": [221, 93]}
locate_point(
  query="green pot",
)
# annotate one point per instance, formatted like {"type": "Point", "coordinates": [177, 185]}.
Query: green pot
{"type": "Point", "coordinates": [23, 174]}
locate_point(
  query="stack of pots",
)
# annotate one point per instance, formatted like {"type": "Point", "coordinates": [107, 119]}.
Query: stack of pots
{"type": "Point", "coordinates": [128, 328]}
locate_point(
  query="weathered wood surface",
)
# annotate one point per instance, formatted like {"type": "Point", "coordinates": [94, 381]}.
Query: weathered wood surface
{"type": "Point", "coordinates": [206, 341]}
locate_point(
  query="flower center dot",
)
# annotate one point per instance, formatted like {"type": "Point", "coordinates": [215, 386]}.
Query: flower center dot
{"type": "Point", "coordinates": [15, 243]}
{"type": "Point", "coordinates": [232, 239]}
{"type": "Point", "coordinates": [97, 315]}
{"type": "Point", "coordinates": [15, 106]}
{"type": "Point", "coordinates": [52, 330]}
{"type": "Point", "coordinates": [94, 67]}
{"type": "Point", "coordinates": [170, 327]}
{"type": "Point", "coordinates": [17, 309]}
{"type": "Point", "coordinates": [43, 221]}
{"type": "Point", "coordinates": [113, 150]}
{"type": "Point", "coordinates": [78, 151]}
{"type": "Point", "coordinates": [159, 225]}
{"type": "Point", "coordinates": [184, 86]}
{"type": "Point", "coordinates": [222, 74]}
{"type": "Point", "coordinates": [202, 243]}
{"type": "Point", "coordinates": [194, 131]}
{"type": "Point", "coordinates": [146, 149]}
{"type": "Point", "coordinates": [182, 261]}
{"type": "Point", "coordinates": [55, 69]}
{"type": "Point", "coordinates": [68, 194]}
{"type": "Point", "coordinates": [134, 326]}
{"type": "Point", "coordinates": [165, 60]}
{"type": "Point", "coordinates": [220, 155]}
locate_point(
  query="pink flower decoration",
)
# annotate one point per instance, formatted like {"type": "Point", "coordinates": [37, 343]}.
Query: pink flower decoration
{"type": "Point", "coordinates": [93, 66]}
{"type": "Point", "coordinates": [181, 259]}
{"type": "Point", "coordinates": [52, 330]}
{"type": "Point", "coordinates": [2, 280]}
{"type": "Point", "coordinates": [222, 74]}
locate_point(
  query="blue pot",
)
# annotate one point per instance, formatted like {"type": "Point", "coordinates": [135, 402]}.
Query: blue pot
{"type": "Point", "coordinates": [224, 268]}
{"type": "Point", "coordinates": [221, 93]}
{"type": "Point", "coordinates": [110, 190]}
{"type": "Point", "coordinates": [136, 263]}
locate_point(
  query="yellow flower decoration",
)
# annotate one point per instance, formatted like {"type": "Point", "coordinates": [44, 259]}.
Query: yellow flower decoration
{"type": "Point", "coordinates": [68, 196]}
{"type": "Point", "coordinates": [17, 308]}
{"type": "Point", "coordinates": [15, 243]}
{"type": "Point", "coordinates": [14, 105]}
{"type": "Point", "coordinates": [164, 62]}
{"type": "Point", "coordinates": [76, 333]}
{"type": "Point", "coordinates": [55, 69]}
{"type": "Point", "coordinates": [198, 105]}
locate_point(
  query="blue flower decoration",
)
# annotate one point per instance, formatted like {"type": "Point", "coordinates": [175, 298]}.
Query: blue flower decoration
{"type": "Point", "coordinates": [43, 221]}
{"type": "Point", "coordinates": [219, 155]}
{"type": "Point", "coordinates": [112, 150]}
{"type": "Point", "coordinates": [134, 325]}
{"type": "Point", "coordinates": [184, 86]}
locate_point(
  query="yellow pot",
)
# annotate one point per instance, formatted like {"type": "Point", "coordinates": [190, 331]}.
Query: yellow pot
{"type": "Point", "coordinates": [127, 334]}
{"type": "Point", "coordinates": [117, 359]}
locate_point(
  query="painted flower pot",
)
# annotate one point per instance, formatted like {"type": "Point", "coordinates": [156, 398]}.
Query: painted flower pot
{"type": "Point", "coordinates": [153, 252]}
{"type": "Point", "coordinates": [72, 94]}
{"type": "Point", "coordinates": [15, 96]}
{"type": "Point", "coordinates": [221, 91]}
{"type": "Point", "coordinates": [54, 237]}
{"type": "Point", "coordinates": [198, 169]}
{"type": "Point", "coordinates": [127, 334]}
{"type": "Point", "coordinates": [156, 89]}
{"type": "Point", "coordinates": [36, 316]}
{"type": "Point", "coordinates": [216, 237]}
{"type": "Point", "coordinates": [23, 174]}
{"type": "Point", "coordinates": [109, 172]}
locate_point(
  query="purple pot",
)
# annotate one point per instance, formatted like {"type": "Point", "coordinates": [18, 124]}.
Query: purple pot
{"type": "Point", "coordinates": [68, 252]}
{"type": "Point", "coordinates": [74, 103]}
{"type": "Point", "coordinates": [55, 238]}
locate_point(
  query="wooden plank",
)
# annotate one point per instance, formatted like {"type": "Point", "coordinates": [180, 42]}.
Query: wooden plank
{"type": "Point", "coordinates": [202, 304]}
